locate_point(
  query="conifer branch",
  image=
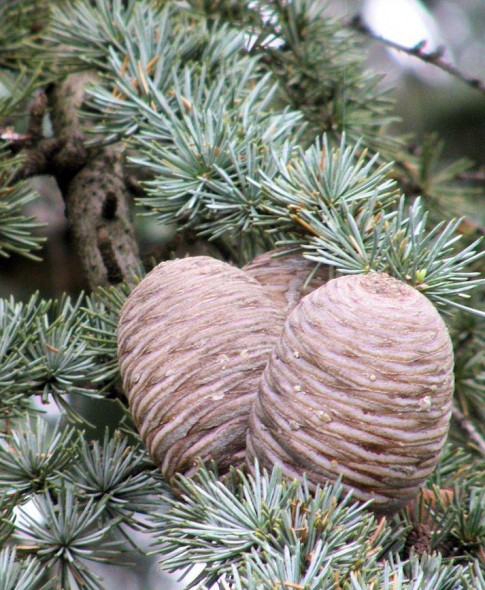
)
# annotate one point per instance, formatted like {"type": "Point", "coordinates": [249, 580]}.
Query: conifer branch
{"type": "Point", "coordinates": [24, 573]}
{"type": "Point", "coordinates": [475, 438]}
{"type": "Point", "coordinates": [18, 231]}
{"type": "Point", "coordinates": [434, 58]}
{"type": "Point", "coordinates": [68, 535]}
{"type": "Point", "coordinates": [221, 523]}
{"type": "Point", "coordinates": [120, 475]}
{"type": "Point", "coordinates": [348, 222]}
{"type": "Point", "coordinates": [228, 129]}
{"type": "Point", "coordinates": [265, 532]}
{"type": "Point", "coordinates": [31, 458]}
{"type": "Point", "coordinates": [97, 200]}
{"type": "Point", "coordinates": [93, 186]}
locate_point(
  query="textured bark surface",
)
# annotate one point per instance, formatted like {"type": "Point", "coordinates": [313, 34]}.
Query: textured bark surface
{"type": "Point", "coordinates": [94, 189]}
{"type": "Point", "coordinates": [284, 277]}
{"type": "Point", "coordinates": [97, 206]}
{"type": "Point", "coordinates": [194, 337]}
{"type": "Point", "coordinates": [359, 385]}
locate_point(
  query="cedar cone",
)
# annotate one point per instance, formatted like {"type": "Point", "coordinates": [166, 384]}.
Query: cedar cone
{"type": "Point", "coordinates": [359, 386]}
{"type": "Point", "coordinates": [193, 339]}
{"type": "Point", "coordinates": [284, 277]}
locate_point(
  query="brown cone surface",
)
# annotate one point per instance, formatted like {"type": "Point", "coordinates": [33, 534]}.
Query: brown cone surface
{"type": "Point", "coordinates": [284, 277]}
{"type": "Point", "coordinates": [193, 339]}
{"type": "Point", "coordinates": [359, 385]}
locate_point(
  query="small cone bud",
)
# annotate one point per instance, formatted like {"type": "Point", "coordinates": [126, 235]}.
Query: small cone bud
{"type": "Point", "coordinates": [287, 278]}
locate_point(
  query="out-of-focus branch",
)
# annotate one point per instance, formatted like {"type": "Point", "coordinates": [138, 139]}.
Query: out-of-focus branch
{"type": "Point", "coordinates": [476, 176]}
{"type": "Point", "coordinates": [434, 58]}
{"type": "Point", "coordinates": [475, 438]}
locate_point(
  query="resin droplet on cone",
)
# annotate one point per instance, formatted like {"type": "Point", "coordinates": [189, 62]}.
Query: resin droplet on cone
{"type": "Point", "coordinates": [284, 277]}
{"type": "Point", "coordinates": [193, 339]}
{"type": "Point", "coordinates": [360, 386]}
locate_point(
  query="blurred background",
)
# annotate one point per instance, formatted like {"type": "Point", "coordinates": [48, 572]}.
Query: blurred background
{"type": "Point", "coordinates": [427, 100]}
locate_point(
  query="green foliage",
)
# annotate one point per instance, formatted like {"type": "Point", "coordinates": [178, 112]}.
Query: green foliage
{"type": "Point", "coordinates": [270, 520]}
{"type": "Point", "coordinates": [7, 516]}
{"type": "Point", "coordinates": [319, 67]}
{"type": "Point", "coordinates": [468, 335]}
{"type": "Point", "coordinates": [206, 175]}
{"type": "Point", "coordinates": [427, 257]}
{"type": "Point", "coordinates": [264, 532]}
{"type": "Point", "coordinates": [142, 53]}
{"type": "Point", "coordinates": [67, 532]}
{"type": "Point", "coordinates": [425, 573]}
{"type": "Point", "coordinates": [26, 574]}
{"type": "Point", "coordinates": [14, 90]}
{"type": "Point", "coordinates": [56, 349]}
{"type": "Point", "coordinates": [16, 374]}
{"type": "Point", "coordinates": [440, 183]}
{"type": "Point", "coordinates": [17, 230]}
{"type": "Point", "coordinates": [340, 211]}
{"type": "Point", "coordinates": [448, 517]}
{"type": "Point", "coordinates": [81, 495]}
{"type": "Point", "coordinates": [224, 160]}
{"type": "Point", "coordinates": [21, 27]}
{"type": "Point", "coordinates": [87, 31]}
{"type": "Point", "coordinates": [99, 325]}
{"type": "Point", "coordinates": [31, 458]}
{"type": "Point", "coordinates": [118, 474]}
{"type": "Point", "coordinates": [321, 174]}
{"type": "Point", "coordinates": [254, 124]}
{"type": "Point", "coordinates": [59, 355]}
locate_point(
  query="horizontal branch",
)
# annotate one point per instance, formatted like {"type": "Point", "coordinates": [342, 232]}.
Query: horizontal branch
{"type": "Point", "coordinates": [476, 440]}
{"type": "Point", "coordinates": [434, 58]}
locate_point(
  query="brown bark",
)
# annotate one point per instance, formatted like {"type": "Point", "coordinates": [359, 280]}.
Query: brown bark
{"type": "Point", "coordinates": [96, 196]}
{"type": "Point", "coordinates": [91, 181]}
